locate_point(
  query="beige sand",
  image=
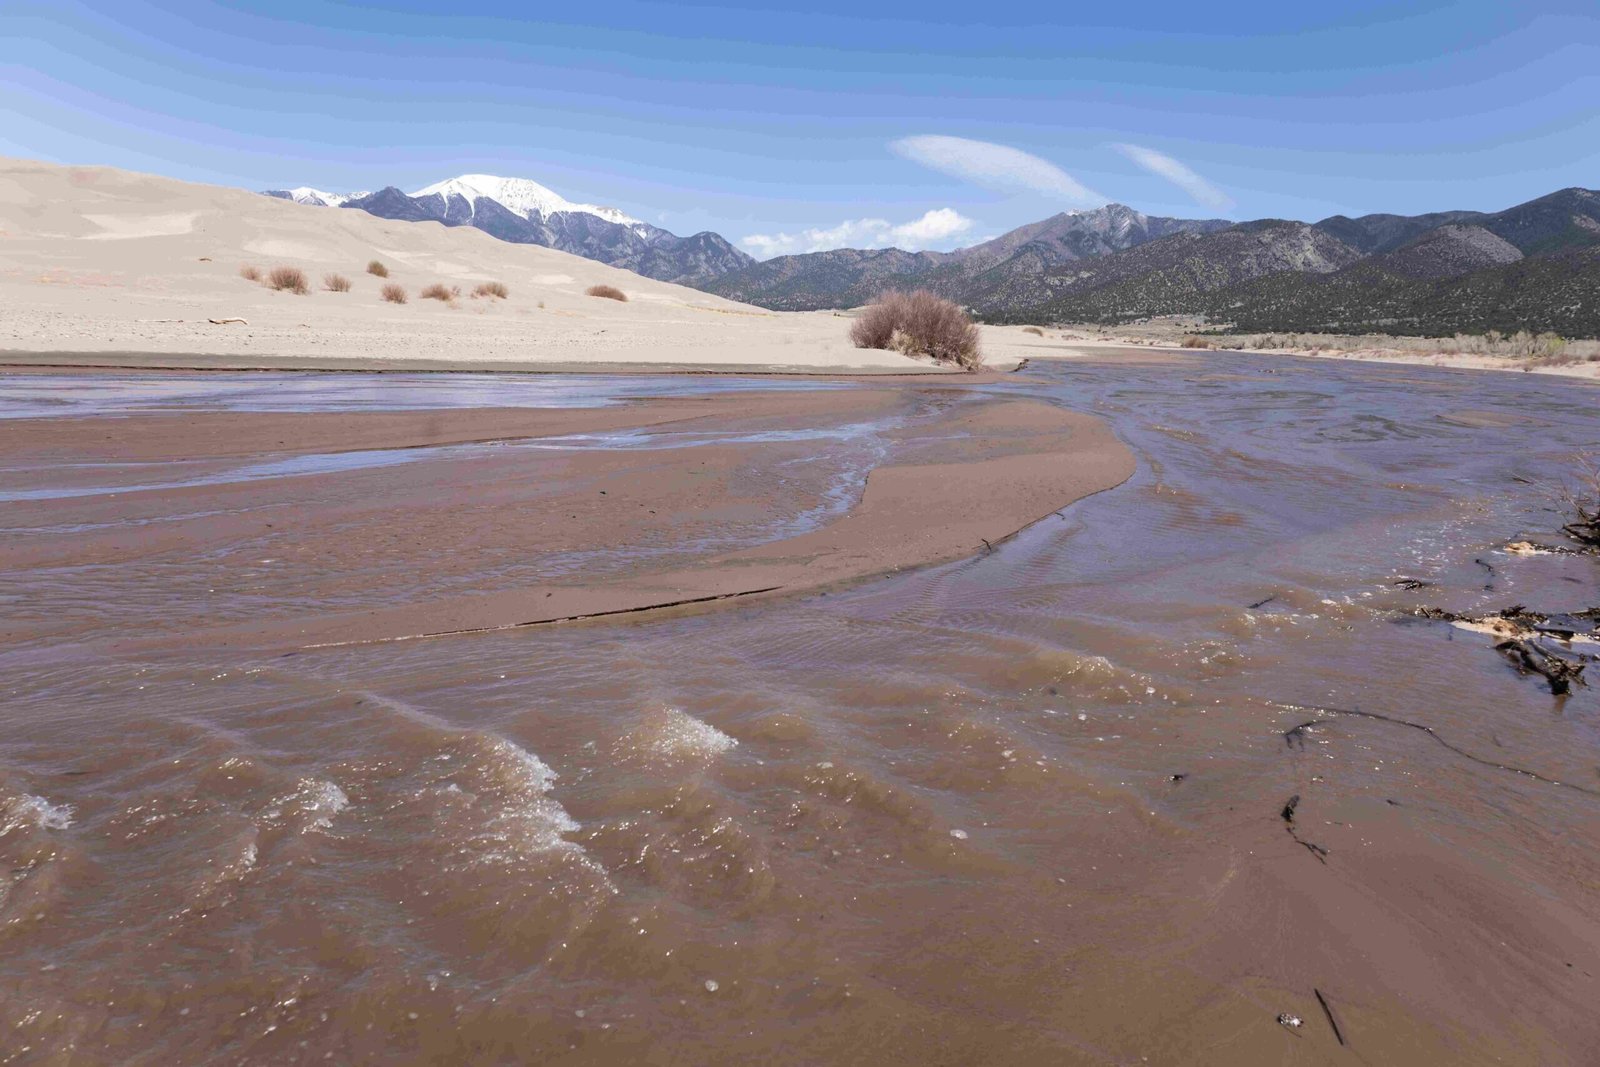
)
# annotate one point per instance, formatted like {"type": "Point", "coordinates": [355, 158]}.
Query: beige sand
{"type": "Point", "coordinates": [106, 267]}
{"type": "Point", "coordinates": [1167, 332]}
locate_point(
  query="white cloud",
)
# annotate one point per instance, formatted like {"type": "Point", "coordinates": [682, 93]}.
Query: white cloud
{"type": "Point", "coordinates": [1202, 191]}
{"type": "Point", "coordinates": [934, 227]}
{"type": "Point", "coordinates": [996, 166]}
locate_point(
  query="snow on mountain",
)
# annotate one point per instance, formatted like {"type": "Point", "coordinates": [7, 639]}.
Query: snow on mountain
{"type": "Point", "coordinates": [520, 196]}
{"type": "Point", "coordinates": [304, 194]}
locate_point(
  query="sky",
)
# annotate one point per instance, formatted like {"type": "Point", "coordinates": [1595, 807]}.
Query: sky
{"type": "Point", "coordinates": [924, 125]}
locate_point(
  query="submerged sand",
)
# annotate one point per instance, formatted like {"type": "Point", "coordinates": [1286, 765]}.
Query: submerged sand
{"type": "Point", "coordinates": [943, 486]}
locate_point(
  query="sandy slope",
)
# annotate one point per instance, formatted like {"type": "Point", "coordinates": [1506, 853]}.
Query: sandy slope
{"type": "Point", "coordinates": [97, 260]}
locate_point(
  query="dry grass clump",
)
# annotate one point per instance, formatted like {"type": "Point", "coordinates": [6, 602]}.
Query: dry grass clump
{"type": "Point", "coordinates": [1196, 341]}
{"type": "Point", "coordinates": [377, 269]}
{"type": "Point", "coordinates": [249, 273]}
{"type": "Point", "coordinates": [292, 279]}
{"type": "Point", "coordinates": [336, 283]}
{"type": "Point", "coordinates": [610, 292]}
{"type": "Point", "coordinates": [494, 289]}
{"type": "Point", "coordinates": [394, 294]}
{"type": "Point", "coordinates": [438, 292]}
{"type": "Point", "coordinates": [919, 324]}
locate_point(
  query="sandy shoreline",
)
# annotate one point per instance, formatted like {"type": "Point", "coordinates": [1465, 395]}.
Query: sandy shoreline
{"type": "Point", "coordinates": [1408, 351]}
{"type": "Point", "coordinates": [444, 542]}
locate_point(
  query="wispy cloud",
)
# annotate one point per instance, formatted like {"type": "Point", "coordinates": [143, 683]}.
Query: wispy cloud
{"type": "Point", "coordinates": [996, 166]}
{"type": "Point", "coordinates": [1158, 163]}
{"type": "Point", "coordinates": [932, 228]}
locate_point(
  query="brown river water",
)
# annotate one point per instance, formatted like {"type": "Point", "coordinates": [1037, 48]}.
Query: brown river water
{"type": "Point", "coordinates": [1024, 808]}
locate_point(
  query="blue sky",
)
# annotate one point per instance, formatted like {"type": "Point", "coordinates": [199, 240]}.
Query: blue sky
{"type": "Point", "coordinates": [925, 124]}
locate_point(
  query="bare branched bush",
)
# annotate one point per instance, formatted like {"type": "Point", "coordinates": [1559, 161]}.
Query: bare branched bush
{"type": "Point", "coordinates": [495, 289]}
{"type": "Point", "coordinates": [249, 273]}
{"type": "Point", "coordinates": [336, 283]}
{"type": "Point", "coordinates": [394, 294]}
{"type": "Point", "coordinates": [1583, 501]}
{"type": "Point", "coordinates": [609, 292]}
{"type": "Point", "coordinates": [377, 269]}
{"type": "Point", "coordinates": [1033, 330]}
{"type": "Point", "coordinates": [919, 324]}
{"type": "Point", "coordinates": [292, 279]}
{"type": "Point", "coordinates": [1196, 341]}
{"type": "Point", "coordinates": [437, 291]}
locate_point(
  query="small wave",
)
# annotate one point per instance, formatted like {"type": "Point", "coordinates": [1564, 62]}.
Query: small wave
{"type": "Point", "coordinates": [522, 819]}
{"type": "Point", "coordinates": [313, 804]}
{"type": "Point", "coordinates": [31, 810]}
{"type": "Point", "coordinates": [675, 735]}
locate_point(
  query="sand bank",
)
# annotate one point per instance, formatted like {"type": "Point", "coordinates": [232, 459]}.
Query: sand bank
{"type": "Point", "coordinates": [110, 268]}
{"type": "Point", "coordinates": [767, 494]}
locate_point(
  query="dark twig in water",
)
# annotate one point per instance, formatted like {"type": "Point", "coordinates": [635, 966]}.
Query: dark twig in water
{"type": "Point", "coordinates": [1520, 630]}
{"type": "Point", "coordinates": [1357, 713]}
{"type": "Point", "coordinates": [1288, 817]}
{"type": "Point", "coordinates": [1529, 658]}
{"type": "Point", "coordinates": [1262, 603]}
{"type": "Point", "coordinates": [1329, 1013]}
{"type": "Point", "coordinates": [1488, 585]}
{"type": "Point", "coordinates": [1411, 583]}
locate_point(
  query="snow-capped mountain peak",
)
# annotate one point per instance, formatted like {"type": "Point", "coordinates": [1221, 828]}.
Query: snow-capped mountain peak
{"type": "Point", "coordinates": [304, 194]}
{"type": "Point", "coordinates": [519, 195]}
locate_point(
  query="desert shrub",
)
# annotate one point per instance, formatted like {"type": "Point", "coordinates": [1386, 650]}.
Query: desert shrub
{"type": "Point", "coordinates": [610, 292]}
{"type": "Point", "coordinates": [336, 283]}
{"type": "Point", "coordinates": [1033, 330]}
{"type": "Point", "coordinates": [495, 289]}
{"type": "Point", "coordinates": [249, 273]}
{"type": "Point", "coordinates": [292, 279]}
{"type": "Point", "coordinates": [394, 294]}
{"type": "Point", "coordinates": [919, 324]}
{"type": "Point", "coordinates": [377, 269]}
{"type": "Point", "coordinates": [1196, 341]}
{"type": "Point", "coordinates": [438, 292]}
{"type": "Point", "coordinates": [1583, 498]}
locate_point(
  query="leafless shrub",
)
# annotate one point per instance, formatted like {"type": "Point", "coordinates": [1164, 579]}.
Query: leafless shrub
{"type": "Point", "coordinates": [1583, 500]}
{"type": "Point", "coordinates": [919, 324]}
{"type": "Point", "coordinates": [336, 283]}
{"type": "Point", "coordinates": [249, 273]}
{"type": "Point", "coordinates": [1033, 330]}
{"type": "Point", "coordinates": [1196, 341]}
{"type": "Point", "coordinates": [292, 279]}
{"type": "Point", "coordinates": [610, 292]}
{"type": "Point", "coordinates": [394, 294]}
{"type": "Point", "coordinates": [495, 289]}
{"type": "Point", "coordinates": [377, 269]}
{"type": "Point", "coordinates": [438, 292]}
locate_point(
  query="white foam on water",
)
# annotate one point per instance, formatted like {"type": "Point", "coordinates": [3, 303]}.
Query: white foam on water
{"type": "Point", "coordinates": [30, 810]}
{"type": "Point", "coordinates": [677, 735]}
{"type": "Point", "coordinates": [314, 802]}
{"type": "Point", "coordinates": [524, 819]}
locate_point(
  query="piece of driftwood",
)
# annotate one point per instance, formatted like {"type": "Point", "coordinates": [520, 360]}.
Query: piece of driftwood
{"type": "Point", "coordinates": [226, 322]}
{"type": "Point", "coordinates": [1326, 1010]}
{"type": "Point", "coordinates": [1531, 658]}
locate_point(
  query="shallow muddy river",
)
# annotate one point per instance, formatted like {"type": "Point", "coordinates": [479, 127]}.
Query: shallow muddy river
{"type": "Point", "coordinates": [1031, 807]}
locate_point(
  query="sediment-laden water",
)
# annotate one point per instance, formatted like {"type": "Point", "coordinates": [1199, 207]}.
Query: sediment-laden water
{"type": "Point", "coordinates": [1031, 807]}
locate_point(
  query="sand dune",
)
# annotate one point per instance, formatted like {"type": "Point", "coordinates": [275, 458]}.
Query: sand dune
{"type": "Point", "coordinates": [107, 266]}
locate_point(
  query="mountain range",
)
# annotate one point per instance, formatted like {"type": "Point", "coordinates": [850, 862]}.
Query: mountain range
{"type": "Point", "coordinates": [525, 212]}
{"type": "Point", "coordinates": [1535, 266]}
